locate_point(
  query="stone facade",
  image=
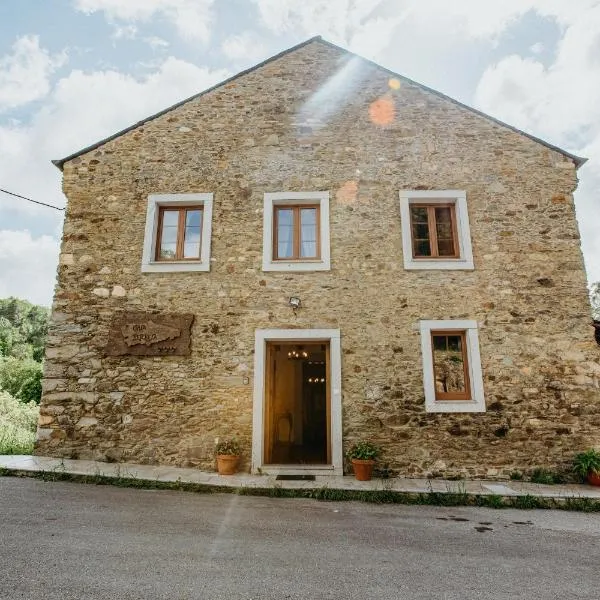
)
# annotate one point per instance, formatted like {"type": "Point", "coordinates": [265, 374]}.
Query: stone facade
{"type": "Point", "coordinates": [296, 124]}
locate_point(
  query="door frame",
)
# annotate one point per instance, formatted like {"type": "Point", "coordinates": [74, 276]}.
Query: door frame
{"type": "Point", "coordinates": [262, 336]}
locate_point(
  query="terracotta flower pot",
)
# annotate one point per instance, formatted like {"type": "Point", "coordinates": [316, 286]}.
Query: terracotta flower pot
{"type": "Point", "coordinates": [593, 478]}
{"type": "Point", "coordinates": [227, 464]}
{"type": "Point", "coordinates": [363, 469]}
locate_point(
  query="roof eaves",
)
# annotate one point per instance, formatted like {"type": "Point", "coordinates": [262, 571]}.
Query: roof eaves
{"type": "Point", "coordinates": [60, 162]}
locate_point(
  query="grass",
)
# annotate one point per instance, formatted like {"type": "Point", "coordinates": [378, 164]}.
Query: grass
{"type": "Point", "coordinates": [457, 497]}
{"type": "Point", "coordinates": [18, 422]}
{"type": "Point", "coordinates": [547, 477]}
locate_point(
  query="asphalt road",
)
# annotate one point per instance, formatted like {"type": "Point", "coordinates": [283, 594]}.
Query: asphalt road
{"type": "Point", "coordinates": [65, 540]}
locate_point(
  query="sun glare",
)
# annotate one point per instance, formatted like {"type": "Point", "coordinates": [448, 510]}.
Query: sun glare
{"type": "Point", "coordinates": [382, 111]}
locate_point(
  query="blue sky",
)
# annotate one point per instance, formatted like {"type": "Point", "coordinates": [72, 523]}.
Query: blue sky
{"type": "Point", "coordinates": [75, 71]}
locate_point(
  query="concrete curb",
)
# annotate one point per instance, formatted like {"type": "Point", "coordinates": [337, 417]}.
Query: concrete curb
{"type": "Point", "coordinates": [396, 490]}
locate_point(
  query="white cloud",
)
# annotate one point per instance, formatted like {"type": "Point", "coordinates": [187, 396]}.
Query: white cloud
{"type": "Point", "coordinates": [25, 73]}
{"type": "Point", "coordinates": [537, 48]}
{"type": "Point", "coordinates": [560, 103]}
{"type": "Point", "coordinates": [245, 47]}
{"type": "Point", "coordinates": [82, 109]}
{"type": "Point", "coordinates": [125, 32]}
{"type": "Point", "coordinates": [28, 266]}
{"type": "Point", "coordinates": [156, 42]}
{"type": "Point", "coordinates": [365, 27]}
{"type": "Point", "coordinates": [192, 18]}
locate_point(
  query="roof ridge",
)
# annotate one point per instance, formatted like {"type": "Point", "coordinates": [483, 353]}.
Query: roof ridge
{"type": "Point", "coordinates": [578, 160]}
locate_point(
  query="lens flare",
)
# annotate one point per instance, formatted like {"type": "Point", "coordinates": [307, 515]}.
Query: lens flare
{"type": "Point", "coordinates": [382, 111]}
{"type": "Point", "coordinates": [394, 83]}
{"type": "Point", "coordinates": [347, 193]}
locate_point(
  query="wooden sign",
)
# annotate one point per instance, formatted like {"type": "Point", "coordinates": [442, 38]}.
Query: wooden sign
{"type": "Point", "coordinates": [148, 334]}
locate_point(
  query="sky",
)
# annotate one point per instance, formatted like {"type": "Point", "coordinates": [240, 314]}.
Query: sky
{"type": "Point", "coordinates": [75, 71]}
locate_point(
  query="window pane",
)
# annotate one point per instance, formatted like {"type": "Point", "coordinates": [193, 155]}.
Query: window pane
{"type": "Point", "coordinates": [308, 232]}
{"type": "Point", "coordinates": [285, 232]}
{"type": "Point", "coordinates": [193, 218]}
{"type": "Point", "coordinates": [439, 342]}
{"type": "Point", "coordinates": [191, 246]}
{"type": "Point", "coordinates": [191, 250]}
{"type": "Point", "coordinates": [285, 217]}
{"type": "Point", "coordinates": [170, 218]}
{"type": "Point", "coordinates": [418, 214]}
{"type": "Point", "coordinates": [167, 251]}
{"type": "Point", "coordinates": [444, 231]}
{"type": "Point", "coordinates": [422, 248]}
{"type": "Point", "coordinates": [308, 249]}
{"type": "Point", "coordinates": [308, 216]}
{"type": "Point", "coordinates": [443, 214]}
{"type": "Point", "coordinates": [420, 232]}
{"type": "Point", "coordinates": [446, 248]}
{"type": "Point", "coordinates": [169, 235]}
{"type": "Point", "coordinates": [454, 343]}
{"type": "Point", "coordinates": [448, 364]}
{"type": "Point", "coordinates": [443, 225]}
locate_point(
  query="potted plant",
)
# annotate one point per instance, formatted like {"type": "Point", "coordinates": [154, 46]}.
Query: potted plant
{"type": "Point", "coordinates": [228, 456]}
{"type": "Point", "coordinates": [587, 466]}
{"type": "Point", "coordinates": [363, 455]}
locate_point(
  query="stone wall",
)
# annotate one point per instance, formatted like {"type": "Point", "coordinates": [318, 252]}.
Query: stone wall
{"type": "Point", "coordinates": [362, 140]}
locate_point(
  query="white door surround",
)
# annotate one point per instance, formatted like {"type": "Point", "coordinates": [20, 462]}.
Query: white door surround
{"type": "Point", "coordinates": [262, 336]}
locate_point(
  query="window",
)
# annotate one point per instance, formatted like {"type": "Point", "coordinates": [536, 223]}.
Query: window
{"type": "Point", "coordinates": [178, 232]}
{"type": "Point", "coordinates": [296, 231]}
{"type": "Point", "coordinates": [435, 229]}
{"type": "Point", "coordinates": [452, 374]}
{"type": "Point", "coordinates": [450, 365]}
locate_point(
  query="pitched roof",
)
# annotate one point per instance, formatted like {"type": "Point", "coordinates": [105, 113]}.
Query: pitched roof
{"type": "Point", "coordinates": [578, 160]}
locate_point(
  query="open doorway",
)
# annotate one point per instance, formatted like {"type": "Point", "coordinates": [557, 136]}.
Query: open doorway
{"type": "Point", "coordinates": [297, 421]}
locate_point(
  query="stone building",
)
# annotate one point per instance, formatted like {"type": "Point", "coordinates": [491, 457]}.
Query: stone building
{"type": "Point", "coordinates": [314, 252]}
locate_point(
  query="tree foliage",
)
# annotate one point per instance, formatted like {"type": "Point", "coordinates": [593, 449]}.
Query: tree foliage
{"type": "Point", "coordinates": [21, 378]}
{"type": "Point", "coordinates": [23, 330]}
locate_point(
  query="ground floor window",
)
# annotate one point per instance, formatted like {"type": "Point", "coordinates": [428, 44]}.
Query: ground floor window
{"type": "Point", "coordinates": [452, 374]}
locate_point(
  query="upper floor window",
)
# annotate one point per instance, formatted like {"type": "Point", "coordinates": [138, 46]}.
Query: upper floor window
{"type": "Point", "coordinates": [435, 229]}
{"type": "Point", "coordinates": [178, 233]}
{"type": "Point", "coordinates": [296, 231]}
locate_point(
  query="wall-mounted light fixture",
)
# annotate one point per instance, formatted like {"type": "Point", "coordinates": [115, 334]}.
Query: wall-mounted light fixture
{"type": "Point", "coordinates": [295, 302]}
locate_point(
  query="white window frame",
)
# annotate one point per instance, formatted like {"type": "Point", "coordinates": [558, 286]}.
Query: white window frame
{"type": "Point", "coordinates": [459, 199]}
{"type": "Point", "coordinates": [272, 199]}
{"type": "Point", "coordinates": [155, 203]}
{"type": "Point", "coordinates": [477, 401]}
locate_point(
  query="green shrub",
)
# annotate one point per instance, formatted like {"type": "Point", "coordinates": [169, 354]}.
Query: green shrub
{"type": "Point", "coordinates": [22, 379]}
{"type": "Point", "coordinates": [364, 451]}
{"type": "Point", "coordinates": [18, 421]}
{"type": "Point", "coordinates": [586, 462]}
{"type": "Point", "coordinates": [229, 447]}
{"type": "Point", "coordinates": [546, 476]}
